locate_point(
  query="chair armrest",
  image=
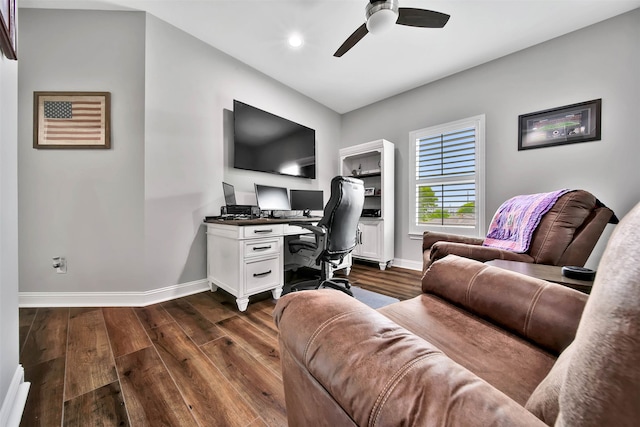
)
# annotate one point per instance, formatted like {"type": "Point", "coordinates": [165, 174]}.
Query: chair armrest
{"type": "Point", "coordinates": [545, 313]}
{"type": "Point", "coordinates": [479, 253]}
{"type": "Point", "coordinates": [319, 231]}
{"type": "Point", "coordinates": [377, 372]}
{"type": "Point", "coordinates": [431, 237]}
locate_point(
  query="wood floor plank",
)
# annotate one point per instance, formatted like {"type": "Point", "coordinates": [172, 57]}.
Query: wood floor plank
{"type": "Point", "coordinates": [262, 346]}
{"type": "Point", "coordinates": [197, 327]}
{"type": "Point", "coordinates": [262, 388]}
{"type": "Point", "coordinates": [151, 395]}
{"type": "Point", "coordinates": [102, 407]}
{"type": "Point", "coordinates": [211, 397]}
{"type": "Point", "coordinates": [47, 338]}
{"type": "Point", "coordinates": [395, 282]}
{"type": "Point", "coordinates": [90, 363]}
{"type": "Point", "coordinates": [153, 316]}
{"type": "Point", "coordinates": [210, 307]}
{"type": "Point", "coordinates": [126, 333]}
{"type": "Point", "coordinates": [260, 315]}
{"type": "Point", "coordinates": [26, 317]}
{"type": "Point", "coordinates": [44, 401]}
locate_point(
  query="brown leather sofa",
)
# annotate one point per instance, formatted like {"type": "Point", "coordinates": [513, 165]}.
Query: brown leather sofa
{"type": "Point", "coordinates": [566, 235]}
{"type": "Point", "coordinates": [479, 347]}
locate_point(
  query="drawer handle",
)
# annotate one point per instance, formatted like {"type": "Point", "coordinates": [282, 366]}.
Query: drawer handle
{"type": "Point", "coordinates": [261, 274]}
{"type": "Point", "coordinates": [262, 248]}
{"type": "Point", "coordinates": [263, 231]}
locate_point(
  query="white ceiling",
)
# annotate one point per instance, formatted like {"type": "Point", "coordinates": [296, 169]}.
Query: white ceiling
{"type": "Point", "coordinates": [379, 66]}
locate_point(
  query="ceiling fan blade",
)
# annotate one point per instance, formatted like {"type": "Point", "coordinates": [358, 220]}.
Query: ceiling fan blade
{"type": "Point", "coordinates": [352, 40]}
{"type": "Point", "coordinates": [421, 18]}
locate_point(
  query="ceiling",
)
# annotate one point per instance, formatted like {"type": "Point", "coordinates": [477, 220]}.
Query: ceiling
{"type": "Point", "coordinates": [256, 31]}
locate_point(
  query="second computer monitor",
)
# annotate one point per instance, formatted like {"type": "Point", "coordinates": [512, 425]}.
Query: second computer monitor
{"type": "Point", "coordinates": [272, 198]}
{"type": "Point", "coordinates": [307, 200]}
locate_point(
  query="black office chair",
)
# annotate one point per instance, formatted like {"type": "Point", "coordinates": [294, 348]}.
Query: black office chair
{"type": "Point", "coordinates": [336, 235]}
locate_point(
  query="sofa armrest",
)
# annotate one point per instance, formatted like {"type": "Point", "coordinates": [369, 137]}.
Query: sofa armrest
{"type": "Point", "coordinates": [545, 313]}
{"type": "Point", "coordinates": [377, 372]}
{"type": "Point", "coordinates": [431, 237]}
{"type": "Point", "coordinates": [480, 253]}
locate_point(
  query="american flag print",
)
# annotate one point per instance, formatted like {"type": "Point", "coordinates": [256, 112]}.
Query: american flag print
{"type": "Point", "coordinates": [73, 120]}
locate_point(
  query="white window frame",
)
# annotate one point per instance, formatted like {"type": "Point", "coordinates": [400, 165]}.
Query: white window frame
{"type": "Point", "coordinates": [416, 230]}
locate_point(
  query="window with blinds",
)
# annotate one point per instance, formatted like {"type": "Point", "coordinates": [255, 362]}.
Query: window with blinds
{"type": "Point", "coordinates": [446, 184]}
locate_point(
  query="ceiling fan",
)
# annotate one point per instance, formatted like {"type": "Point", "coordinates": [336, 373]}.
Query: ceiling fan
{"type": "Point", "coordinates": [383, 14]}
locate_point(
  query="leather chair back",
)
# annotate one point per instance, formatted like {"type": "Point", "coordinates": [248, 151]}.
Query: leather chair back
{"type": "Point", "coordinates": [570, 230]}
{"type": "Point", "coordinates": [341, 216]}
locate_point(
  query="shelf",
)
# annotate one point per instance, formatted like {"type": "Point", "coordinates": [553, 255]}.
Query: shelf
{"type": "Point", "coordinates": [366, 175]}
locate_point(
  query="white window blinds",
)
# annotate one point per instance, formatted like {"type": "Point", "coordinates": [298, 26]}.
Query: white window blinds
{"type": "Point", "coordinates": [446, 176]}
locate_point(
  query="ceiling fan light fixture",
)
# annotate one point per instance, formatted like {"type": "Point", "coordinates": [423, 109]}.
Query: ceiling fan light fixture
{"type": "Point", "coordinates": [381, 16]}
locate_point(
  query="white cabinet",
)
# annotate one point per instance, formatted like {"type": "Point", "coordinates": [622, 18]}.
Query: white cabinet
{"type": "Point", "coordinates": [245, 261]}
{"type": "Point", "coordinates": [373, 163]}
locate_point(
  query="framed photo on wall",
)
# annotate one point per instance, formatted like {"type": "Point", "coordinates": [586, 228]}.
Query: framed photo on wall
{"type": "Point", "coordinates": [8, 31]}
{"type": "Point", "coordinates": [71, 120]}
{"type": "Point", "coordinates": [558, 126]}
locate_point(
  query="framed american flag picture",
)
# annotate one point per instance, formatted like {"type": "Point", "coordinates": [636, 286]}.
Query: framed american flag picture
{"type": "Point", "coordinates": [71, 120]}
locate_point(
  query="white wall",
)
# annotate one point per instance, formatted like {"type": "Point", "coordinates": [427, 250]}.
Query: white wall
{"type": "Point", "coordinates": [129, 219]}
{"type": "Point", "coordinates": [8, 233]}
{"type": "Point", "coordinates": [601, 61]}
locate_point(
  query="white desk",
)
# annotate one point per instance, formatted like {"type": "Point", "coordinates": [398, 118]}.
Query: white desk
{"type": "Point", "coordinates": [246, 257]}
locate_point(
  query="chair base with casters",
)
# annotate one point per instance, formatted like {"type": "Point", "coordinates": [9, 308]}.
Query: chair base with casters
{"type": "Point", "coordinates": [324, 281]}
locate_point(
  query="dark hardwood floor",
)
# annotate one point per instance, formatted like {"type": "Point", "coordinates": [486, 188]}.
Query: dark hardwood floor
{"type": "Point", "coordinates": [192, 361]}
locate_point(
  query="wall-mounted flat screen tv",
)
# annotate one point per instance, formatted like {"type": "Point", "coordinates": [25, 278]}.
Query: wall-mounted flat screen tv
{"type": "Point", "coordinates": [265, 142]}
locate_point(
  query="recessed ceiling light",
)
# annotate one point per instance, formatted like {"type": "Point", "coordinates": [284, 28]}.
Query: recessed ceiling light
{"type": "Point", "coordinates": [295, 40]}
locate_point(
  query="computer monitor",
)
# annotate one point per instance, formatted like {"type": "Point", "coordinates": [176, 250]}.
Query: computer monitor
{"type": "Point", "coordinates": [229, 194]}
{"type": "Point", "coordinates": [272, 198]}
{"type": "Point", "coordinates": [307, 200]}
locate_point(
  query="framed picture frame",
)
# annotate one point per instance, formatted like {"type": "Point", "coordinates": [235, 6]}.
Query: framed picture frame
{"type": "Point", "coordinates": [71, 120]}
{"type": "Point", "coordinates": [8, 33]}
{"type": "Point", "coordinates": [558, 126]}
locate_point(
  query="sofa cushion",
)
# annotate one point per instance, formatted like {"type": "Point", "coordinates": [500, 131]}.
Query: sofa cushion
{"type": "Point", "coordinates": [507, 362]}
{"type": "Point", "coordinates": [543, 312]}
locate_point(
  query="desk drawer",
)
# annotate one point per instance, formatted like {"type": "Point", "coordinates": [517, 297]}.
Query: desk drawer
{"type": "Point", "coordinates": [264, 274]}
{"type": "Point", "coordinates": [261, 247]}
{"type": "Point", "coordinates": [257, 231]}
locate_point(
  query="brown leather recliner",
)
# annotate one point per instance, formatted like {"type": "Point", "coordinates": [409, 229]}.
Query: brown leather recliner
{"type": "Point", "coordinates": [566, 235]}
{"type": "Point", "coordinates": [477, 348]}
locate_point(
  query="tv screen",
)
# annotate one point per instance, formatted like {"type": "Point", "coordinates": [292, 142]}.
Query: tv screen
{"type": "Point", "coordinates": [265, 142]}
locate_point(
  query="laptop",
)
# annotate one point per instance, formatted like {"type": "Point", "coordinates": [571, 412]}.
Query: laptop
{"type": "Point", "coordinates": [229, 194]}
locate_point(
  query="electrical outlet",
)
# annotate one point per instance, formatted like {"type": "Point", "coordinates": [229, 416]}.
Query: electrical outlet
{"type": "Point", "coordinates": [60, 264]}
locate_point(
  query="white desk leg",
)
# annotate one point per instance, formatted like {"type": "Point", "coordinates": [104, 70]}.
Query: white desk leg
{"type": "Point", "coordinates": [276, 293]}
{"type": "Point", "coordinates": [242, 303]}
{"type": "Point", "coordinates": [213, 286]}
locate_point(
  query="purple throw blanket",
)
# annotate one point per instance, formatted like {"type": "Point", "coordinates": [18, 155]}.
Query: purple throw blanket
{"type": "Point", "coordinates": [515, 221]}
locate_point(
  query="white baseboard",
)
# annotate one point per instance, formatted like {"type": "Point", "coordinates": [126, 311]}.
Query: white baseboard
{"type": "Point", "coordinates": [408, 264]}
{"type": "Point", "coordinates": [15, 399]}
{"type": "Point", "coordinates": [111, 299]}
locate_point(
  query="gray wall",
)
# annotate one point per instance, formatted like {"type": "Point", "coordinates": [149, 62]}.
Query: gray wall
{"type": "Point", "coordinates": [130, 218]}
{"type": "Point", "coordinates": [86, 205]}
{"type": "Point", "coordinates": [601, 61]}
{"type": "Point", "coordinates": [190, 88]}
{"type": "Point", "coordinates": [8, 224]}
